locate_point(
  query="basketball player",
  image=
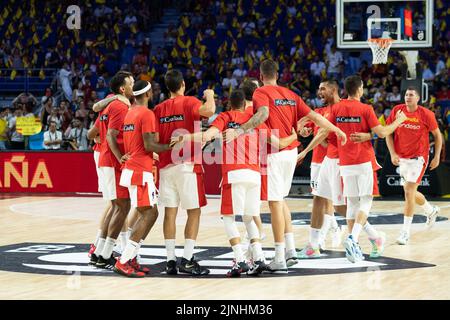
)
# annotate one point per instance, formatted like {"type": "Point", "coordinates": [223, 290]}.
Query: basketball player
{"type": "Point", "coordinates": [140, 143]}
{"type": "Point", "coordinates": [111, 133]}
{"type": "Point", "coordinates": [356, 162]}
{"type": "Point", "coordinates": [409, 150]}
{"type": "Point", "coordinates": [181, 175]}
{"type": "Point", "coordinates": [280, 108]}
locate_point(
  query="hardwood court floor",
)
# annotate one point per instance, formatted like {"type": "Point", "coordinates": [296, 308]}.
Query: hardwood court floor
{"type": "Point", "coordinates": [73, 220]}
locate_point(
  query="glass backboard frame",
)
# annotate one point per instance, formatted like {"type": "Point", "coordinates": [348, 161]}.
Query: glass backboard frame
{"type": "Point", "coordinates": [397, 44]}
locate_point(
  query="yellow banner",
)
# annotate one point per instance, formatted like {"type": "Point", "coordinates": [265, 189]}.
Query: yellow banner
{"type": "Point", "coordinates": [28, 126]}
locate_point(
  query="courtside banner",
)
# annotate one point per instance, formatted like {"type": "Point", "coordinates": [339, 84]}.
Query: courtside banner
{"type": "Point", "coordinates": [55, 171]}
{"type": "Point", "coordinates": [47, 172]}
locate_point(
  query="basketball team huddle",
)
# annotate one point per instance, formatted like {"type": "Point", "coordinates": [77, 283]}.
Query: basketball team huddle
{"type": "Point", "coordinates": [258, 138]}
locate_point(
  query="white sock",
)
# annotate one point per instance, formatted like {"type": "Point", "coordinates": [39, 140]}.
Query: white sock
{"type": "Point", "coordinates": [138, 247]}
{"type": "Point", "coordinates": [170, 248]}
{"type": "Point", "coordinates": [370, 230]}
{"type": "Point", "coordinates": [334, 223]}
{"type": "Point", "coordinates": [327, 219]}
{"type": "Point", "coordinates": [314, 237]}
{"type": "Point", "coordinates": [257, 253]}
{"type": "Point", "coordinates": [129, 233]}
{"type": "Point", "coordinates": [108, 248]}
{"type": "Point", "coordinates": [129, 251]}
{"type": "Point", "coordinates": [238, 253]}
{"type": "Point", "coordinates": [279, 252]}
{"type": "Point", "coordinates": [289, 240]}
{"type": "Point", "coordinates": [427, 207]}
{"type": "Point", "coordinates": [99, 247]}
{"type": "Point", "coordinates": [407, 223]}
{"type": "Point", "coordinates": [357, 227]}
{"type": "Point", "coordinates": [123, 239]}
{"type": "Point", "coordinates": [189, 245]}
{"type": "Point", "coordinates": [97, 238]}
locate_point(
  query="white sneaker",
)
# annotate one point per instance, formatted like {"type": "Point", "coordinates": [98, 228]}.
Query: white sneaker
{"type": "Point", "coordinates": [277, 267]}
{"type": "Point", "coordinates": [431, 218]}
{"type": "Point", "coordinates": [291, 258]}
{"type": "Point", "coordinates": [336, 237]}
{"type": "Point", "coordinates": [403, 238]}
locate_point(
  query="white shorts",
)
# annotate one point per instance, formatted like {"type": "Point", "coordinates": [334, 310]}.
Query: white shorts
{"type": "Point", "coordinates": [241, 193]}
{"type": "Point", "coordinates": [412, 170]}
{"type": "Point", "coordinates": [358, 180]}
{"type": "Point", "coordinates": [145, 193]}
{"type": "Point", "coordinates": [111, 189]}
{"type": "Point", "coordinates": [280, 171]}
{"type": "Point", "coordinates": [182, 185]}
{"type": "Point", "coordinates": [99, 172]}
{"type": "Point", "coordinates": [315, 170]}
{"type": "Point", "coordinates": [329, 183]}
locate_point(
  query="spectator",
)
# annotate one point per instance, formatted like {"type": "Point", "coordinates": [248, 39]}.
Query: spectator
{"type": "Point", "coordinates": [78, 135]}
{"type": "Point", "coordinates": [56, 117]}
{"type": "Point", "coordinates": [17, 139]}
{"type": "Point", "coordinates": [52, 137]}
{"type": "Point", "coordinates": [64, 79]}
{"type": "Point", "coordinates": [394, 97]}
{"type": "Point", "coordinates": [229, 81]}
{"type": "Point", "coordinates": [334, 64]}
{"type": "Point", "coordinates": [3, 128]}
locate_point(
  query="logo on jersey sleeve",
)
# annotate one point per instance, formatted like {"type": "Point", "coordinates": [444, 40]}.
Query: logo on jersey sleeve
{"type": "Point", "coordinates": [233, 125]}
{"type": "Point", "coordinates": [285, 102]}
{"type": "Point", "coordinates": [128, 127]}
{"type": "Point", "coordinates": [348, 119]}
{"type": "Point", "coordinates": [178, 117]}
{"type": "Point", "coordinates": [104, 117]}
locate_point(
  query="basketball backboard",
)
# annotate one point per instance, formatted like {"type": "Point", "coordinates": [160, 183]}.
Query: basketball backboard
{"type": "Point", "coordinates": [408, 22]}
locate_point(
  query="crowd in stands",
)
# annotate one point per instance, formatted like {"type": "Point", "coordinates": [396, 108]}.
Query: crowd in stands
{"type": "Point", "coordinates": [215, 43]}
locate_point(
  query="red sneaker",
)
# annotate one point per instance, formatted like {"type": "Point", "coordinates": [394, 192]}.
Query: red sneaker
{"type": "Point", "coordinates": [135, 264]}
{"type": "Point", "coordinates": [91, 250]}
{"type": "Point", "coordinates": [127, 270]}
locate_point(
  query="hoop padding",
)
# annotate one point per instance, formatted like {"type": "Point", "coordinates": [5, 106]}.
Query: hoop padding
{"type": "Point", "coordinates": [380, 49]}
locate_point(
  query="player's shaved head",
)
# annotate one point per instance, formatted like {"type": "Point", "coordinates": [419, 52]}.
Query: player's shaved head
{"type": "Point", "coordinates": [173, 80]}
{"type": "Point", "coordinates": [269, 69]}
{"type": "Point", "coordinates": [249, 86]}
{"type": "Point", "coordinates": [331, 83]}
{"type": "Point", "coordinates": [237, 99]}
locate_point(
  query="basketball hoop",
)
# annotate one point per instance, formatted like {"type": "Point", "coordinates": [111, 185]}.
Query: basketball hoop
{"type": "Point", "coordinates": [380, 49]}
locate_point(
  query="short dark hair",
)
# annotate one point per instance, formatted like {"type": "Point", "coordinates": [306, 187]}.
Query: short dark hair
{"type": "Point", "coordinates": [237, 99]}
{"type": "Point", "coordinates": [249, 86]}
{"type": "Point", "coordinates": [173, 80]}
{"type": "Point", "coordinates": [269, 68]}
{"type": "Point", "coordinates": [331, 82]}
{"type": "Point", "coordinates": [139, 85]}
{"type": "Point", "coordinates": [352, 84]}
{"type": "Point", "coordinates": [412, 88]}
{"type": "Point", "coordinates": [118, 80]}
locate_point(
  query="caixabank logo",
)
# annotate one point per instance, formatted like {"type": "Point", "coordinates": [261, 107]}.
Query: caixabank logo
{"type": "Point", "coordinates": [70, 259]}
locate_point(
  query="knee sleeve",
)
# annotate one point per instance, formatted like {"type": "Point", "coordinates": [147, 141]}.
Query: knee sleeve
{"type": "Point", "coordinates": [365, 204]}
{"type": "Point", "coordinates": [352, 207]}
{"type": "Point", "coordinates": [250, 225]}
{"type": "Point", "coordinates": [230, 227]}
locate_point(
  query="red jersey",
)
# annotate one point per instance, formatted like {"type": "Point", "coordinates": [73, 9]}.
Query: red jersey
{"type": "Point", "coordinates": [411, 138]}
{"type": "Point", "coordinates": [111, 117]}
{"type": "Point", "coordinates": [353, 116]}
{"type": "Point", "coordinates": [182, 114]}
{"type": "Point", "coordinates": [285, 109]}
{"type": "Point", "coordinates": [243, 152]}
{"type": "Point", "coordinates": [249, 110]}
{"type": "Point", "coordinates": [320, 151]}
{"type": "Point", "coordinates": [139, 120]}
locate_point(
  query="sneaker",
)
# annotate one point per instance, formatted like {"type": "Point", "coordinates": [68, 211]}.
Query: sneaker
{"type": "Point", "coordinates": [277, 267]}
{"type": "Point", "coordinates": [403, 238]}
{"type": "Point", "coordinates": [117, 251]}
{"type": "Point", "coordinates": [431, 218]}
{"type": "Point", "coordinates": [93, 260]}
{"type": "Point", "coordinates": [171, 267]}
{"type": "Point", "coordinates": [291, 258]}
{"type": "Point", "coordinates": [106, 263]}
{"type": "Point", "coordinates": [127, 270]}
{"type": "Point", "coordinates": [91, 250]}
{"type": "Point", "coordinates": [257, 268]}
{"type": "Point", "coordinates": [135, 264]}
{"type": "Point", "coordinates": [377, 245]}
{"type": "Point", "coordinates": [336, 237]}
{"type": "Point", "coordinates": [192, 267]}
{"type": "Point", "coordinates": [237, 269]}
{"type": "Point", "coordinates": [352, 250]}
{"type": "Point", "coordinates": [309, 252]}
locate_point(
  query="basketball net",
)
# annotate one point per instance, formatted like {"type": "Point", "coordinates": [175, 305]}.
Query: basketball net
{"type": "Point", "coordinates": [380, 49]}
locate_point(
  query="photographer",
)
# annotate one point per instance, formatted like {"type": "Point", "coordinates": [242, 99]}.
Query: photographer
{"type": "Point", "coordinates": [78, 135]}
{"type": "Point", "coordinates": [52, 137]}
